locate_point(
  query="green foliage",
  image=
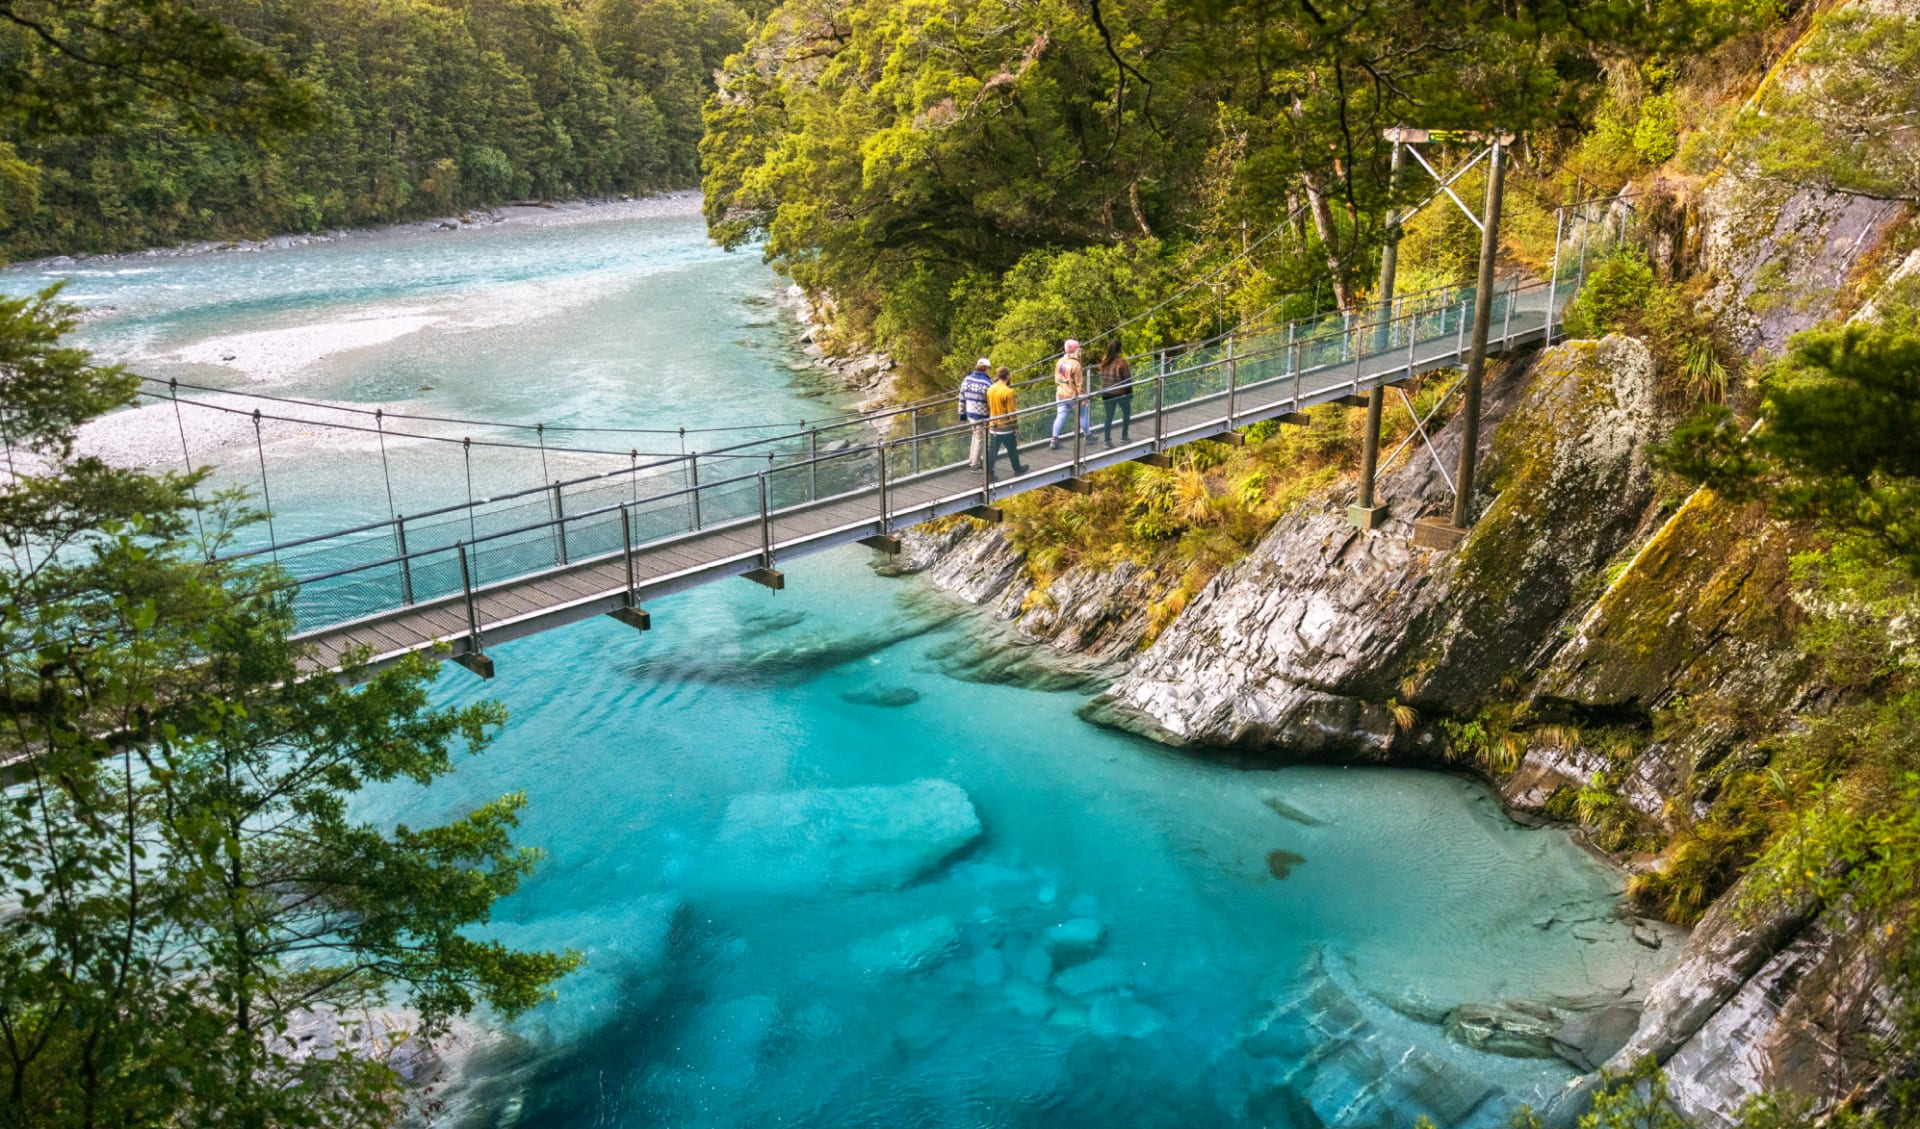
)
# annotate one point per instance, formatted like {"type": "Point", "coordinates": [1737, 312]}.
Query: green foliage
{"type": "Point", "coordinates": [883, 149]}
{"type": "Point", "coordinates": [1633, 1099]}
{"type": "Point", "coordinates": [407, 108]}
{"type": "Point", "coordinates": [185, 878]}
{"type": "Point", "coordinates": [1852, 129]}
{"type": "Point", "coordinates": [1835, 444]}
{"type": "Point", "coordinates": [1656, 136]}
{"type": "Point", "coordinates": [1622, 295]}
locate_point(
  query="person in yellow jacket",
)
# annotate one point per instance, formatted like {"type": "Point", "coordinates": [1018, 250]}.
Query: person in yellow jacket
{"type": "Point", "coordinates": [1003, 425]}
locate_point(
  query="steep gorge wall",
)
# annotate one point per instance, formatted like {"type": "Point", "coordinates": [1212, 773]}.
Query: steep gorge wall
{"type": "Point", "coordinates": [1592, 637]}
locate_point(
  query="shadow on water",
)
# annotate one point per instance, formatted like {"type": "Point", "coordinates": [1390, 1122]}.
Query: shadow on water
{"type": "Point", "coordinates": [769, 649]}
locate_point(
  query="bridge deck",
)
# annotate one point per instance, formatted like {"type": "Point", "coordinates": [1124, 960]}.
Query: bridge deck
{"type": "Point", "coordinates": [516, 607]}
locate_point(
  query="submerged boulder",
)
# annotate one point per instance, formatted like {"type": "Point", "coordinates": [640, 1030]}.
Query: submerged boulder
{"type": "Point", "coordinates": [879, 838]}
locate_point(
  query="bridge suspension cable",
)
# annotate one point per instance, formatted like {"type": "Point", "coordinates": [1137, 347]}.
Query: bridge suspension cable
{"type": "Point", "coordinates": [835, 420]}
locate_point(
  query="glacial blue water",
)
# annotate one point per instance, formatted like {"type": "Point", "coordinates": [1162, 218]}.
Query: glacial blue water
{"type": "Point", "coordinates": [821, 878]}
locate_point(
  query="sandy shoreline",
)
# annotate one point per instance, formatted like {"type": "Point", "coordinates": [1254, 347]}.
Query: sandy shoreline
{"type": "Point", "coordinates": [685, 202]}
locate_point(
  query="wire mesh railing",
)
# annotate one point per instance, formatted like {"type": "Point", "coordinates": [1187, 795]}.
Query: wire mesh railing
{"type": "Point", "coordinates": [449, 553]}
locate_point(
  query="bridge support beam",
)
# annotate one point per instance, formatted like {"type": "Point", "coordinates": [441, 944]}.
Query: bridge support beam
{"type": "Point", "coordinates": [636, 618]}
{"type": "Point", "coordinates": [1075, 485]}
{"type": "Point", "coordinates": [477, 662]}
{"type": "Point", "coordinates": [989, 514]}
{"type": "Point", "coordinates": [1437, 533]}
{"type": "Point", "coordinates": [1352, 401]}
{"type": "Point", "coordinates": [768, 578]}
{"type": "Point", "coordinates": [1232, 438]}
{"type": "Point", "coordinates": [888, 543]}
{"type": "Point", "coordinates": [1482, 320]}
{"type": "Point", "coordinates": [1155, 459]}
{"type": "Point", "coordinates": [1365, 514]}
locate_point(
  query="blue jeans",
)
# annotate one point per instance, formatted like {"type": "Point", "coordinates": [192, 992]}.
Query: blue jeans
{"type": "Point", "coordinates": [1009, 440]}
{"type": "Point", "coordinates": [1065, 413]}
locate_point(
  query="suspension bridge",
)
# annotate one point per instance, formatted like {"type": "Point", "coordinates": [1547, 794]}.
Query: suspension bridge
{"type": "Point", "coordinates": [458, 580]}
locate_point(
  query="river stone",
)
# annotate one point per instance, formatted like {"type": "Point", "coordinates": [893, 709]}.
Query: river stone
{"type": "Point", "coordinates": [627, 964]}
{"type": "Point", "coordinates": [1117, 1016]}
{"type": "Point", "coordinates": [1037, 964]}
{"type": "Point", "coordinates": [1504, 1029]}
{"type": "Point", "coordinates": [878, 838]}
{"type": "Point", "coordinates": [1589, 1038]}
{"type": "Point", "coordinates": [989, 968]}
{"type": "Point", "coordinates": [1102, 974]}
{"type": "Point", "coordinates": [885, 697]}
{"type": "Point", "coordinates": [908, 948]}
{"type": "Point", "coordinates": [1074, 940]}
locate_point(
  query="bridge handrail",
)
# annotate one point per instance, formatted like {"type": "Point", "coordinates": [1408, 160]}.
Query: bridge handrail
{"type": "Point", "coordinates": [1349, 323]}
{"type": "Point", "coordinates": [882, 447]}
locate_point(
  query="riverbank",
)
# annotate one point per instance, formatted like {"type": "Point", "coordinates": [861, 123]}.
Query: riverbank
{"type": "Point", "coordinates": [683, 202]}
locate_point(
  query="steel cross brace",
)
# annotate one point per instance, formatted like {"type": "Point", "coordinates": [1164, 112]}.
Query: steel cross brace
{"type": "Point", "coordinates": [1446, 184]}
{"type": "Point", "coordinates": [1420, 430]}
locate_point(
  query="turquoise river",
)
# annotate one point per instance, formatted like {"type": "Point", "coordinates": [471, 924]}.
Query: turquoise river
{"type": "Point", "coordinates": [821, 877]}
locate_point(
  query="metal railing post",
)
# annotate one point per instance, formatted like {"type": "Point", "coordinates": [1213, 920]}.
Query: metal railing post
{"type": "Point", "coordinates": [1233, 381]}
{"type": "Point", "coordinates": [1079, 439]}
{"type": "Point", "coordinates": [813, 464]}
{"type": "Point", "coordinates": [1506, 323]}
{"type": "Point", "coordinates": [881, 450]}
{"type": "Point", "coordinates": [916, 440]}
{"type": "Point", "coordinates": [986, 490]}
{"type": "Point", "coordinates": [406, 560]}
{"type": "Point", "coordinates": [626, 544]}
{"type": "Point", "coordinates": [693, 472]}
{"type": "Point", "coordinates": [1293, 363]}
{"type": "Point", "coordinates": [1460, 337]}
{"type": "Point", "coordinates": [1160, 406]}
{"type": "Point", "coordinates": [560, 526]}
{"type": "Point", "coordinates": [766, 526]}
{"type": "Point", "coordinates": [466, 587]}
{"type": "Point", "coordinates": [1356, 367]}
{"type": "Point", "coordinates": [1553, 272]}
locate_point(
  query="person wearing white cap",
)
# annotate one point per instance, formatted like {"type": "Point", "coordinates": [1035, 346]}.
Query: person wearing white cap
{"type": "Point", "coordinates": [1069, 388]}
{"type": "Point", "coordinates": [973, 408]}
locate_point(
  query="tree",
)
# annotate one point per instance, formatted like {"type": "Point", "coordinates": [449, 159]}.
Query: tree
{"type": "Point", "coordinates": [186, 880]}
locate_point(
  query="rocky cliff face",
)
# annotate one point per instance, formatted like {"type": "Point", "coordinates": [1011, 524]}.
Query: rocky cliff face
{"type": "Point", "coordinates": [1605, 648]}
{"type": "Point", "coordinates": [1583, 606]}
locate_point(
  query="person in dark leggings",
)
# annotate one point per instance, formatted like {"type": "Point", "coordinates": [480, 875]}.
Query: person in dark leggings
{"type": "Point", "coordinates": [1116, 390]}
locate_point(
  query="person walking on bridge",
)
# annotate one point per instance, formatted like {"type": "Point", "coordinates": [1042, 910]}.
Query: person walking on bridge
{"type": "Point", "coordinates": [1003, 428]}
{"type": "Point", "coordinates": [1116, 390]}
{"type": "Point", "coordinates": [973, 409]}
{"type": "Point", "coordinates": [1070, 389]}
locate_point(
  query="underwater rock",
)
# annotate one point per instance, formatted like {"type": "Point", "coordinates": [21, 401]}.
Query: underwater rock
{"type": "Point", "coordinates": [1074, 940]}
{"type": "Point", "coordinates": [1341, 1069]}
{"type": "Point", "coordinates": [1117, 1016]}
{"type": "Point", "coordinates": [1037, 965]}
{"type": "Point", "coordinates": [626, 947]}
{"type": "Point", "coordinates": [989, 968]}
{"type": "Point", "coordinates": [908, 948]}
{"type": "Point", "coordinates": [1281, 863]}
{"type": "Point", "coordinates": [1102, 974]}
{"type": "Point", "coordinates": [992, 658]}
{"type": "Point", "coordinates": [879, 838]}
{"type": "Point", "coordinates": [1028, 999]}
{"type": "Point", "coordinates": [884, 697]}
{"type": "Point", "coordinates": [1588, 1038]}
{"type": "Point", "coordinates": [1511, 1029]}
{"type": "Point", "coordinates": [1285, 810]}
